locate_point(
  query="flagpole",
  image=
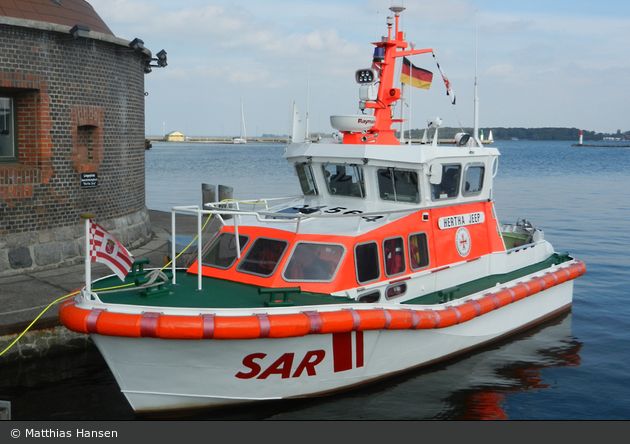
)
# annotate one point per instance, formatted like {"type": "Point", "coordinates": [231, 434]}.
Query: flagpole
{"type": "Point", "coordinates": [401, 138]}
{"type": "Point", "coordinates": [88, 259]}
{"type": "Point", "coordinates": [413, 45]}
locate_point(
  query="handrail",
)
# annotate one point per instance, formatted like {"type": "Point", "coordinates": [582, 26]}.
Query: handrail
{"type": "Point", "coordinates": [261, 216]}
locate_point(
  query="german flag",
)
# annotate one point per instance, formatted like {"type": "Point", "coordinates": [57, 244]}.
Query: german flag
{"type": "Point", "coordinates": [414, 76]}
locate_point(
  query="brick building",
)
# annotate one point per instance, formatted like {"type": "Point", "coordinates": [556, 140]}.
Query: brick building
{"type": "Point", "coordinates": [71, 133]}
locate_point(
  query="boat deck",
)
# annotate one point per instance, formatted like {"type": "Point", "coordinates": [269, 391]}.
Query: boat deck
{"type": "Point", "coordinates": [216, 293]}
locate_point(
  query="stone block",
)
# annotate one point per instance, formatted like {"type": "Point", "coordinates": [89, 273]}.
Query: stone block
{"type": "Point", "coordinates": [64, 234]}
{"type": "Point", "coordinates": [48, 254]}
{"type": "Point", "coordinates": [69, 249]}
{"type": "Point", "coordinates": [45, 236]}
{"type": "Point", "coordinates": [20, 258]}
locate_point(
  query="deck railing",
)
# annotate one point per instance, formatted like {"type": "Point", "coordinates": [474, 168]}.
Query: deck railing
{"type": "Point", "coordinates": [233, 208]}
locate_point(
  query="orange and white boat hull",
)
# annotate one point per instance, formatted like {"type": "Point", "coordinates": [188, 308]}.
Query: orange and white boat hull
{"type": "Point", "coordinates": [170, 375]}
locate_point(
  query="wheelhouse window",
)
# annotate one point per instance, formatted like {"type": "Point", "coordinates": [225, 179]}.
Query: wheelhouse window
{"type": "Point", "coordinates": [8, 136]}
{"type": "Point", "coordinates": [222, 253]}
{"type": "Point", "coordinates": [263, 257]}
{"type": "Point", "coordinates": [418, 251]}
{"type": "Point", "coordinates": [313, 262]}
{"type": "Point", "coordinates": [473, 179]}
{"type": "Point", "coordinates": [448, 188]}
{"type": "Point", "coordinates": [366, 262]}
{"type": "Point", "coordinates": [398, 185]}
{"type": "Point", "coordinates": [344, 180]}
{"type": "Point", "coordinates": [307, 180]}
{"type": "Point", "coordinates": [394, 254]}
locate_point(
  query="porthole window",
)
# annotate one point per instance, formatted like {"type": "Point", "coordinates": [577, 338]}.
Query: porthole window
{"type": "Point", "coordinates": [370, 298]}
{"type": "Point", "coordinates": [394, 291]}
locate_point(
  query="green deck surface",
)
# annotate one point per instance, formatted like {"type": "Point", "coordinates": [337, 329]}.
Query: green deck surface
{"type": "Point", "coordinates": [219, 293]}
{"type": "Point", "coordinates": [460, 291]}
{"type": "Point", "coordinates": [216, 293]}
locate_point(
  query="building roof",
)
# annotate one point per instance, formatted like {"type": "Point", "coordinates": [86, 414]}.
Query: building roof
{"type": "Point", "coordinates": [60, 12]}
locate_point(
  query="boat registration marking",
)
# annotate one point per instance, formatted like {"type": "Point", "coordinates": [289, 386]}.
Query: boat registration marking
{"type": "Point", "coordinates": [461, 220]}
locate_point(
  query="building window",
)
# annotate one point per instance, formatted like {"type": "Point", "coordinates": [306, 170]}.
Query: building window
{"type": "Point", "coordinates": [8, 133]}
{"type": "Point", "coordinates": [398, 185]}
{"type": "Point", "coordinates": [344, 180]}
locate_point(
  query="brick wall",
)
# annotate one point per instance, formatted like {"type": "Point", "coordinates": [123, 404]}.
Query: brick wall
{"type": "Point", "coordinates": [80, 108]}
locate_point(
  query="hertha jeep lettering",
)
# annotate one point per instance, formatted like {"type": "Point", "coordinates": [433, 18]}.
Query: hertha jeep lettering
{"type": "Point", "coordinates": [282, 366]}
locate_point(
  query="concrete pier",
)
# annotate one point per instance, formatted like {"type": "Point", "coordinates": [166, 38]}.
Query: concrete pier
{"type": "Point", "coordinates": [24, 296]}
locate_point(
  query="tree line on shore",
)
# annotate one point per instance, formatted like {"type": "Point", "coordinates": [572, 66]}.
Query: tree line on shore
{"type": "Point", "coordinates": [499, 133]}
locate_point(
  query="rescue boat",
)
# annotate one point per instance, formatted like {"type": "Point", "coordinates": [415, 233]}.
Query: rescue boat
{"type": "Point", "coordinates": [392, 259]}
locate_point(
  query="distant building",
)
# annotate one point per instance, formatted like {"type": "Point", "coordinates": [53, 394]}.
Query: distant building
{"type": "Point", "coordinates": [71, 133]}
{"type": "Point", "coordinates": [174, 136]}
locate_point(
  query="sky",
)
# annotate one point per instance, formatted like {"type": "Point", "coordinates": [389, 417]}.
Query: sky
{"type": "Point", "coordinates": [539, 63]}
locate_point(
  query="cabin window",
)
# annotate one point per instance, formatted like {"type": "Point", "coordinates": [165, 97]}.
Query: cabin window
{"type": "Point", "coordinates": [263, 257]}
{"type": "Point", "coordinates": [366, 262]}
{"type": "Point", "coordinates": [418, 251]}
{"type": "Point", "coordinates": [473, 179]}
{"type": "Point", "coordinates": [449, 186]}
{"type": "Point", "coordinates": [222, 252]}
{"type": "Point", "coordinates": [398, 185]}
{"type": "Point", "coordinates": [8, 133]}
{"type": "Point", "coordinates": [307, 180]}
{"type": "Point", "coordinates": [344, 180]}
{"type": "Point", "coordinates": [394, 254]}
{"type": "Point", "coordinates": [394, 291]}
{"type": "Point", "coordinates": [370, 298]}
{"type": "Point", "coordinates": [314, 262]}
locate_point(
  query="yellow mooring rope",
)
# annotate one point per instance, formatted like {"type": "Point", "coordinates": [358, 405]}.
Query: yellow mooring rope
{"type": "Point", "coordinates": [74, 293]}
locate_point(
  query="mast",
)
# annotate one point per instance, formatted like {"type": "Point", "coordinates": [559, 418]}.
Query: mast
{"type": "Point", "coordinates": [243, 133]}
{"type": "Point", "coordinates": [390, 48]}
{"type": "Point", "coordinates": [476, 110]}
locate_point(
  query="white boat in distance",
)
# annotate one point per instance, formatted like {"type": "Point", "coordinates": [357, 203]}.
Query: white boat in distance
{"type": "Point", "coordinates": [243, 136]}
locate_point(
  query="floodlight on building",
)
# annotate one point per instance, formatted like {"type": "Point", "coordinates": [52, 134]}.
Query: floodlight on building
{"type": "Point", "coordinates": [161, 58]}
{"type": "Point", "coordinates": [78, 31]}
{"type": "Point", "coordinates": [161, 62]}
{"type": "Point", "coordinates": [137, 45]}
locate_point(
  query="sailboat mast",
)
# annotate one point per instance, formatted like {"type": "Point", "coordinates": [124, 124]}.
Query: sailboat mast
{"type": "Point", "coordinates": [243, 132]}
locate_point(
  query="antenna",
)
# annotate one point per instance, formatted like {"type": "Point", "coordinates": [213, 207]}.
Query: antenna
{"type": "Point", "coordinates": [308, 90]}
{"type": "Point", "coordinates": [476, 110]}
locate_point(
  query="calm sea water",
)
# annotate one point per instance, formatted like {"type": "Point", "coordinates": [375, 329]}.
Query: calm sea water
{"type": "Point", "coordinates": [574, 367]}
